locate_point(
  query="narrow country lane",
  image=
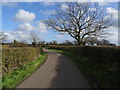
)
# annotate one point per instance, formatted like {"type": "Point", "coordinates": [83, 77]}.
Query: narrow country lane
{"type": "Point", "coordinates": [57, 72]}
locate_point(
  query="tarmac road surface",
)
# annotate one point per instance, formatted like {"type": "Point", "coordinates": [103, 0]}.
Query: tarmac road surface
{"type": "Point", "coordinates": [57, 72]}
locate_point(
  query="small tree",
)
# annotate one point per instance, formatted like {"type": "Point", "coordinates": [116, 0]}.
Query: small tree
{"type": "Point", "coordinates": [15, 41]}
{"type": "Point", "coordinates": [24, 41]}
{"type": "Point", "coordinates": [80, 20]}
{"type": "Point", "coordinates": [90, 40]}
{"type": "Point", "coordinates": [34, 38]}
{"type": "Point", "coordinates": [54, 42]}
{"type": "Point", "coordinates": [42, 42]}
{"type": "Point", "coordinates": [67, 42]}
{"type": "Point", "coordinates": [103, 42]}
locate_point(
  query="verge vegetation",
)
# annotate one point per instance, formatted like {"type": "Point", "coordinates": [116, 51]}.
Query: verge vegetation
{"type": "Point", "coordinates": [25, 61]}
{"type": "Point", "coordinates": [100, 65]}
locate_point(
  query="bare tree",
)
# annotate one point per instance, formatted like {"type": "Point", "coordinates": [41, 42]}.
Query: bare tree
{"type": "Point", "coordinates": [67, 42]}
{"type": "Point", "coordinates": [3, 37]}
{"type": "Point", "coordinates": [54, 42]}
{"type": "Point", "coordinates": [90, 40]}
{"type": "Point", "coordinates": [24, 41]}
{"type": "Point", "coordinates": [34, 38]}
{"type": "Point", "coordinates": [105, 42]}
{"type": "Point", "coordinates": [80, 20]}
{"type": "Point", "coordinates": [42, 42]}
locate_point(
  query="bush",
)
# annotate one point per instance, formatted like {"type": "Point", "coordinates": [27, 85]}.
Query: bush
{"type": "Point", "coordinates": [99, 54]}
{"type": "Point", "coordinates": [101, 61]}
{"type": "Point", "coordinates": [19, 44]}
{"type": "Point", "coordinates": [15, 77]}
{"type": "Point", "coordinates": [13, 58]}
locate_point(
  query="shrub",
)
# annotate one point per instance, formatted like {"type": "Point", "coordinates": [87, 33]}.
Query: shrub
{"type": "Point", "coordinates": [19, 44]}
{"type": "Point", "coordinates": [101, 61]}
{"type": "Point", "coordinates": [13, 58]}
{"type": "Point", "coordinates": [99, 54]}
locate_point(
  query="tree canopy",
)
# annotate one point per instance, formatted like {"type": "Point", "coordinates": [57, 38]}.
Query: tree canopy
{"type": "Point", "coordinates": [80, 19]}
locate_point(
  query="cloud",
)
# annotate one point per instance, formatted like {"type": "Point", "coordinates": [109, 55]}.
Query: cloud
{"type": "Point", "coordinates": [103, 3]}
{"type": "Point", "coordinates": [25, 26]}
{"type": "Point", "coordinates": [24, 16]}
{"type": "Point", "coordinates": [94, 0]}
{"type": "Point", "coordinates": [48, 3]}
{"type": "Point", "coordinates": [18, 35]}
{"type": "Point", "coordinates": [61, 0]}
{"type": "Point", "coordinates": [114, 28]}
{"type": "Point", "coordinates": [41, 27]}
{"type": "Point", "coordinates": [48, 12]}
{"type": "Point", "coordinates": [64, 6]}
{"type": "Point", "coordinates": [114, 14]}
{"type": "Point", "coordinates": [111, 10]}
{"type": "Point", "coordinates": [10, 37]}
{"type": "Point", "coordinates": [21, 0]}
{"type": "Point", "coordinates": [113, 38]}
{"type": "Point", "coordinates": [59, 36]}
{"type": "Point", "coordinates": [10, 4]}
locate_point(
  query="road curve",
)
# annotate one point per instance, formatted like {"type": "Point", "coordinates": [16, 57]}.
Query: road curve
{"type": "Point", "coordinates": [57, 72]}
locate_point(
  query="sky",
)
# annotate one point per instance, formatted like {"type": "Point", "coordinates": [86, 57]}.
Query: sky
{"type": "Point", "coordinates": [20, 19]}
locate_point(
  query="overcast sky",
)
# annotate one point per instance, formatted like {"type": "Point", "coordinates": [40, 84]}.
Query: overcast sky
{"type": "Point", "coordinates": [19, 19]}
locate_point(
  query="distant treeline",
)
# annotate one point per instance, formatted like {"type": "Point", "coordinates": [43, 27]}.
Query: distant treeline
{"type": "Point", "coordinates": [88, 42]}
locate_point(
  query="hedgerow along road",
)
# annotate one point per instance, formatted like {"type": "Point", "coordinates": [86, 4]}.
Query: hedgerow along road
{"type": "Point", "coordinates": [57, 72]}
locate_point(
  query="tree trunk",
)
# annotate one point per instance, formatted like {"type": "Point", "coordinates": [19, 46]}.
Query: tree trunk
{"type": "Point", "coordinates": [82, 39]}
{"type": "Point", "coordinates": [79, 42]}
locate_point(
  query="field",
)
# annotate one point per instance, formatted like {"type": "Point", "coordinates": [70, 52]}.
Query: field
{"type": "Point", "coordinates": [98, 64]}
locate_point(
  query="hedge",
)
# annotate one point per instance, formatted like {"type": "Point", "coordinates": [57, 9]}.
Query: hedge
{"type": "Point", "coordinates": [99, 54]}
{"type": "Point", "coordinates": [101, 61]}
{"type": "Point", "coordinates": [13, 58]}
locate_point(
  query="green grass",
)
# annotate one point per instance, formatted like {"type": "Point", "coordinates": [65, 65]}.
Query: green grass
{"type": "Point", "coordinates": [13, 78]}
{"type": "Point", "coordinates": [80, 63]}
{"type": "Point", "coordinates": [101, 73]}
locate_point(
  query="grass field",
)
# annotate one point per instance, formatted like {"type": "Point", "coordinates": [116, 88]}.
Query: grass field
{"type": "Point", "coordinates": [13, 78]}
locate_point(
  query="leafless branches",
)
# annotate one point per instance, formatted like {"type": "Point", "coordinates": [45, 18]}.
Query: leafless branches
{"type": "Point", "coordinates": [80, 20]}
{"type": "Point", "coordinates": [34, 37]}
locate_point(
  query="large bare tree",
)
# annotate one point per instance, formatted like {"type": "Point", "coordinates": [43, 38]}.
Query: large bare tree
{"type": "Point", "coordinates": [80, 20]}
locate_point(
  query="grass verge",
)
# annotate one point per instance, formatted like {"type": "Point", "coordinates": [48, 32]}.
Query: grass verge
{"type": "Point", "coordinates": [97, 74]}
{"type": "Point", "coordinates": [80, 63]}
{"type": "Point", "coordinates": [13, 78]}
